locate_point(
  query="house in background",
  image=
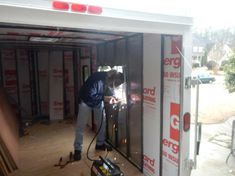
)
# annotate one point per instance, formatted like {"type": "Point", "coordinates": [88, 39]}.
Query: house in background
{"type": "Point", "coordinates": [198, 51]}
{"type": "Point", "coordinates": [219, 53]}
{"type": "Point", "coordinates": [197, 54]}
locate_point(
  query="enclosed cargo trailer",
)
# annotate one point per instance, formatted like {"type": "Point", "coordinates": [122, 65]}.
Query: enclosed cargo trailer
{"type": "Point", "coordinates": [53, 46]}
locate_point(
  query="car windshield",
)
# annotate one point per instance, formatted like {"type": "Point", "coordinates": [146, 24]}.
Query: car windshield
{"type": "Point", "coordinates": [204, 75]}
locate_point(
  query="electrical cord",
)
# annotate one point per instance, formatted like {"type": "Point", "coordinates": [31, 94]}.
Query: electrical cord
{"type": "Point", "coordinates": [87, 153]}
{"type": "Point", "coordinates": [95, 136]}
{"type": "Point", "coordinates": [88, 149]}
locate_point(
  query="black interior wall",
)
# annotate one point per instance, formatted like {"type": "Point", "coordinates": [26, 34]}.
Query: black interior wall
{"type": "Point", "coordinates": [1, 74]}
{"type": "Point", "coordinates": [112, 53]}
{"type": "Point", "coordinates": [33, 82]}
{"type": "Point", "coordinates": [125, 125]}
{"type": "Point", "coordinates": [134, 91]}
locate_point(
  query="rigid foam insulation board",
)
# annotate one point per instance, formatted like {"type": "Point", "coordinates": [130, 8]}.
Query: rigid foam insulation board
{"type": "Point", "coordinates": [56, 92]}
{"type": "Point", "coordinates": [69, 83]}
{"type": "Point", "coordinates": [10, 75]}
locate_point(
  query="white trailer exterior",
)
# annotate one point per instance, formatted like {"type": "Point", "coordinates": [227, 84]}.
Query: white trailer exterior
{"type": "Point", "coordinates": [166, 72]}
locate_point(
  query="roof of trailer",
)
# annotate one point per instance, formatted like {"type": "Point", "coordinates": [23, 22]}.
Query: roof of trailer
{"type": "Point", "coordinates": [28, 20]}
{"type": "Point", "coordinates": [107, 12]}
{"type": "Point", "coordinates": [25, 34]}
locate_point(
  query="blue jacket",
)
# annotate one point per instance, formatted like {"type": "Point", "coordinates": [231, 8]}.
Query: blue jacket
{"type": "Point", "coordinates": [94, 89]}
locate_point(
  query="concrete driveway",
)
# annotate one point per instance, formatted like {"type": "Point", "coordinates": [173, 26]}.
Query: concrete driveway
{"type": "Point", "coordinates": [216, 104]}
{"type": "Point", "coordinates": [214, 158]}
{"type": "Point", "coordinates": [216, 113]}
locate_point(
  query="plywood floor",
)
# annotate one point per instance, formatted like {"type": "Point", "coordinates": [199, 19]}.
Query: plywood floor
{"type": "Point", "coordinates": [45, 144]}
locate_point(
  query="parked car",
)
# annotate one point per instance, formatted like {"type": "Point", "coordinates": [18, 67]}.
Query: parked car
{"type": "Point", "coordinates": [204, 78]}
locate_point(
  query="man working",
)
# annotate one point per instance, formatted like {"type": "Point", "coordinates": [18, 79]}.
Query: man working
{"type": "Point", "coordinates": [94, 92]}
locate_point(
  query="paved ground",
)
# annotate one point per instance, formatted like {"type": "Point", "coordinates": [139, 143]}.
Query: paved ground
{"type": "Point", "coordinates": [215, 103]}
{"type": "Point", "coordinates": [216, 112]}
{"type": "Point", "coordinates": [214, 151]}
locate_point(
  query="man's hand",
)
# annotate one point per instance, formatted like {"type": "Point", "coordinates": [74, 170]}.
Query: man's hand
{"type": "Point", "coordinates": [111, 99]}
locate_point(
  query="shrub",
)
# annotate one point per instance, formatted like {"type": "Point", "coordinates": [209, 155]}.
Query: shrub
{"type": "Point", "coordinates": [223, 64]}
{"type": "Point", "coordinates": [211, 65]}
{"type": "Point", "coordinates": [230, 74]}
{"type": "Point", "coordinates": [195, 65]}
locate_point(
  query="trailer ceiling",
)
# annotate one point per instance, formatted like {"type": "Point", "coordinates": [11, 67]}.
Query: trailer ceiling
{"type": "Point", "coordinates": [33, 35]}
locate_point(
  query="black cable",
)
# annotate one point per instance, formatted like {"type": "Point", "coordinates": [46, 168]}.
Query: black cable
{"type": "Point", "coordinates": [87, 153]}
{"type": "Point", "coordinates": [103, 109]}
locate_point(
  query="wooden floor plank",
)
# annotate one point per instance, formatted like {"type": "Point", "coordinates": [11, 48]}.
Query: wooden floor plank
{"type": "Point", "coordinates": [45, 144]}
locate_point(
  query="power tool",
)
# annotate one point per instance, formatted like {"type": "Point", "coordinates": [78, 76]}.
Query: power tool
{"type": "Point", "coordinates": [105, 167]}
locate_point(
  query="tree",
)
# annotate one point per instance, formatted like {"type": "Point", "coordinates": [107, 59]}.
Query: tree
{"type": "Point", "coordinates": [230, 74]}
{"type": "Point", "coordinates": [211, 65]}
{"type": "Point", "coordinates": [206, 51]}
{"type": "Point", "coordinates": [224, 63]}
{"type": "Point", "coordinates": [216, 39]}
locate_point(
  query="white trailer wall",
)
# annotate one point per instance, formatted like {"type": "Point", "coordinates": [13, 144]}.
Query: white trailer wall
{"type": "Point", "coordinates": [171, 105]}
{"type": "Point", "coordinates": [152, 95]}
{"type": "Point", "coordinates": [56, 93]}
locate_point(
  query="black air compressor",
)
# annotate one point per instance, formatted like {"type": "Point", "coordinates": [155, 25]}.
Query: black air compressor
{"type": "Point", "coordinates": [105, 167]}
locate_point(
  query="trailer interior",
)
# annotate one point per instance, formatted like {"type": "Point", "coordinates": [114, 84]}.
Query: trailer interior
{"type": "Point", "coordinates": [42, 69]}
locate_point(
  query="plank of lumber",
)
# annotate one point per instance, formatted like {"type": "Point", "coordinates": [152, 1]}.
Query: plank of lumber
{"type": "Point", "coordinates": [3, 169]}
{"type": "Point", "coordinates": [9, 138]}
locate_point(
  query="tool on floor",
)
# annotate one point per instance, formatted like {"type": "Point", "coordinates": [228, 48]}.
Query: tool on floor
{"type": "Point", "coordinates": [105, 167]}
{"type": "Point", "coordinates": [61, 164]}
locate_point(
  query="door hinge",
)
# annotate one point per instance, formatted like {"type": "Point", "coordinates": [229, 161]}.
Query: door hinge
{"type": "Point", "coordinates": [188, 82]}
{"type": "Point", "coordinates": [188, 164]}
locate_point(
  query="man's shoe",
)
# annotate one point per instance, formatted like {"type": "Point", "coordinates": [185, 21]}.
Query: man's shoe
{"type": "Point", "coordinates": [103, 147]}
{"type": "Point", "coordinates": [77, 155]}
